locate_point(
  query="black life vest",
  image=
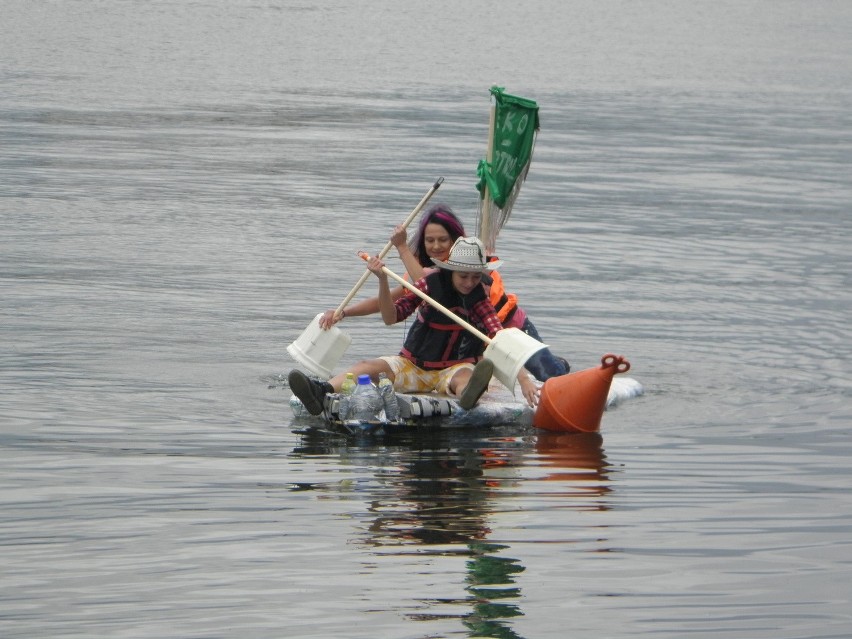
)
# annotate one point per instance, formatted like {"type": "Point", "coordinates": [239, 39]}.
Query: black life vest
{"type": "Point", "coordinates": [435, 341]}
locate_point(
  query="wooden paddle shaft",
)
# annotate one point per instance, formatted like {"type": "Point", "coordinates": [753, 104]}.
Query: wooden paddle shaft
{"type": "Point", "coordinates": [389, 245]}
{"type": "Point", "coordinates": [429, 300]}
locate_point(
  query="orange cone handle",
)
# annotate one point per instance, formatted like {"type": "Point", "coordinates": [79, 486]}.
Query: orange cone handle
{"type": "Point", "coordinates": [575, 402]}
{"type": "Point", "coordinates": [617, 362]}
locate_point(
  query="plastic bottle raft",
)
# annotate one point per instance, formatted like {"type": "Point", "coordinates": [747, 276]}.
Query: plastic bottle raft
{"type": "Point", "coordinates": [569, 403]}
{"type": "Point", "coordinates": [418, 411]}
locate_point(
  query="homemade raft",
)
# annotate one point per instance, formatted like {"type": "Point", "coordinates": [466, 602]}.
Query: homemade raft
{"type": "Point", "coordinates": [569, 403]}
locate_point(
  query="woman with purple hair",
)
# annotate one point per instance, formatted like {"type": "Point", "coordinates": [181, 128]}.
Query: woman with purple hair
{"type": "Point", "coordinates": [438, 229]}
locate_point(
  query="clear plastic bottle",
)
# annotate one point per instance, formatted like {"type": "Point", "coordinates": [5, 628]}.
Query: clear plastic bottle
{"type": "Point", "coordinates": [344, 408]}
{"type": "Point", "coordinates": [365, 401]}
{"type": "Point", "coordinates": [388, 398]}
{"type": "Point", "coordinates": [297, 407]}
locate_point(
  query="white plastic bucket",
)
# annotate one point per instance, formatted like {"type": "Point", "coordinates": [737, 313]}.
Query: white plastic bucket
{"type": "Point", "coordinates": [319, 350]}
{"type": "Point", "coordinates": [509, 350]}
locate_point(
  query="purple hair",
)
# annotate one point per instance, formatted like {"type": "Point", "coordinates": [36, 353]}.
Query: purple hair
{"type": "Point", "coordinates": [436, 214]}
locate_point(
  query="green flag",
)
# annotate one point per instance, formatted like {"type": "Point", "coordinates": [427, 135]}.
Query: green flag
{"type": "Point", "coordinates": [510, 152]}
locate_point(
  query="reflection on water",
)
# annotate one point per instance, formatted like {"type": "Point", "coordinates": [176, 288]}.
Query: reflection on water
{"type": "Point", "coordinates": [575, 457]}
{"type": "Point", "coordinates": [491, 580]}
{"type": "Point", "coordinates": [439, 493]}
{"type": "Point", "coordinates": [437, 499]}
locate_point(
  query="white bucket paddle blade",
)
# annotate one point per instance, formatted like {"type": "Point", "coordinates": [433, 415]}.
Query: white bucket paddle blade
{"type": "Point", "coordinates": [319, 350]}
{"type": "Point", "coordinates": [509, 350]}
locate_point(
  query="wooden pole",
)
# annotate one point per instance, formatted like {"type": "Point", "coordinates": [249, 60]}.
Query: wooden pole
{"type": "Point", "coordinates": [388, 246]}
{"type": "Point", "coordinates": [484, 211]}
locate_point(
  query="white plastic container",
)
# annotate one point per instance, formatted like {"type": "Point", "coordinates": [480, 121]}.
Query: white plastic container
{"type": "Point", "coordinates": [319, 351]}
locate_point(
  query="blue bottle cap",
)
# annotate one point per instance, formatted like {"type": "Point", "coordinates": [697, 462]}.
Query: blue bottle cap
{"type": "Point", "coordinates": [364, 379]}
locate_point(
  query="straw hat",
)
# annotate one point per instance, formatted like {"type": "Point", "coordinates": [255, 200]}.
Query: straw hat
{"type": "Point", "coordinates": [468, 255]}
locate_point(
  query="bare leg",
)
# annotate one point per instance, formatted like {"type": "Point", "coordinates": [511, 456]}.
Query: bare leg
{"type": "Point", "coordinates": [459, 381]}
{"type": "Point", "coordinates": [371, 367]}
{"type": "Point", "coordinates": [476, 383]}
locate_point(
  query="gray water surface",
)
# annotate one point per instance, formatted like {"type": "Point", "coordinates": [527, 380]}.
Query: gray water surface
{"type": "Point", "coordinates": [185, 185]}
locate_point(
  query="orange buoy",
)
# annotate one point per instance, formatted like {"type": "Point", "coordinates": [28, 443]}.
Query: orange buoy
{"type": "Point", "coordinates": [575, 402]}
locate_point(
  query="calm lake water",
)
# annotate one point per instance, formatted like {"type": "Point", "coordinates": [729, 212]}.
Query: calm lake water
{"type": "Point", "coordinates": [185, 185]}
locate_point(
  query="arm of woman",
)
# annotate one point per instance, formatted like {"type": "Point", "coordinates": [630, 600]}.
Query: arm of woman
{"type": "Point", "coordinates": [359, 309]}
{"type": "Point", "coordinates": [411, 263]}
{"type": "Point", "coordinates": [385, 299]}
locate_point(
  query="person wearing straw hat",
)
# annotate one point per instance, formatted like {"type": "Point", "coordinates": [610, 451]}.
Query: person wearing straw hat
{"type": "Point", "coordinates": [439, 355]}
{"type": "Point", "coordinates": [437, 230]}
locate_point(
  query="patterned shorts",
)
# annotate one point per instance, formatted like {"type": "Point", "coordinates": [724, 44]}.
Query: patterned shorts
{"type": "Point", "coordinates": [409, 378]}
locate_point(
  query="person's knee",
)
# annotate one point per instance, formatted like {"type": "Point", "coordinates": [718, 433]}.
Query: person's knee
{"type": "Point", "coordinates": [371, 367]}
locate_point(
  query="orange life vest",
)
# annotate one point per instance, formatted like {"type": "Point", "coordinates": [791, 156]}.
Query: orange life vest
{"type": "Point", "coordinates": [504, 302]}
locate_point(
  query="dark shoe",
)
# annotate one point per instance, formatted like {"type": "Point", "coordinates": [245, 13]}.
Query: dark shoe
{"type": "Point", "coordinates": [309, 391]}
{"type": "Point", "coordinates": [567, 365]}
{"type": "Point", "coordinates": [477, 385]}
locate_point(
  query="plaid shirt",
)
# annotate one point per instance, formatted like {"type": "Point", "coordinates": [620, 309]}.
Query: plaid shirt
{"type": "Point", "coordinates": [482, 312]}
